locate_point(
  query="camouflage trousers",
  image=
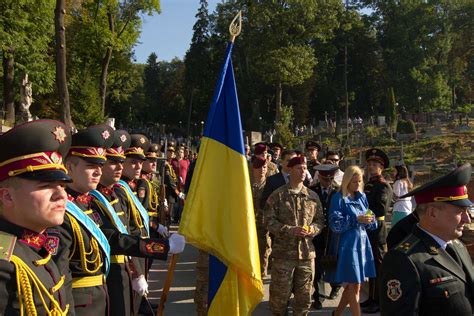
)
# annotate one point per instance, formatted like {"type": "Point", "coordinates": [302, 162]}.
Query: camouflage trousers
{"type": "Point", "coordinates": [291, 276]}
{"type": "Point", "coordinates": [264, 249]}
{"type": "Point", "coordinates": [202, 283]}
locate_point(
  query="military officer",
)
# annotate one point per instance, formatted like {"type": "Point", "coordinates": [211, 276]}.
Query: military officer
{"type": "Point", "coordinates": [430, 271]}
{"type": "Point", "coordinates": [32, 199]}
{"type": "Point", "coordinates": [312, 152]}
{"type": "Point", "coordinates": [325, 188]}
{"type": "Point", "coordinates": [379, 195]}
{"type": "Point", "coordinates": [294, 216]}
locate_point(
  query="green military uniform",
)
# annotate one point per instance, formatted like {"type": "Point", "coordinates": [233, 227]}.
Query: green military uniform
{"type": "Point", "coordinates": [293, 264]}
{"type": "Point", "coordinates": [25, 257]}
{"type": "Point", "coordinates": [81, 253]}
{"type": "Point", "coordinates": [30, 282]}
{"type": "Point", "coordinates": [420, 278]}
{"type": "Point", "coordinates": [428, 273]}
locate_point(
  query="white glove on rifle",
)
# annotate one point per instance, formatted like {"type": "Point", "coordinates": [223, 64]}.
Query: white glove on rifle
{"type": "Point", "coordinates": [177, 243]}
{"type": "Point", "coordinates": [162, 230]}
{"type": "Point", "coordinates": [181, 196]}
{"type": "Point", "coordinates": [140, 285]}
{"type": "Point", "coordinates": [165, 203]}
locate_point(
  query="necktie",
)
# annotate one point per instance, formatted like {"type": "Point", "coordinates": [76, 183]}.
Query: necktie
{"type": "Point", "coordinates": [450, 250]}
{"type": "Point", "coordinates": [324, 194]}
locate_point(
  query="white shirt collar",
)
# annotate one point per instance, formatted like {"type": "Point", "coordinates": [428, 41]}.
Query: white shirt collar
{"type": "Point", "coordinates": [440, 241]}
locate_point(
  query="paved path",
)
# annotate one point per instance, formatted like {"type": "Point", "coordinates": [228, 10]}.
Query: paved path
{"type": "Point", "coordinates": [180, 299]}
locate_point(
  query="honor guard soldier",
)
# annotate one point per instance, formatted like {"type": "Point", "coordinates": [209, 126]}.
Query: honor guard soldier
{"type": "Point", "coordinates": [379, 195]}
{"type": "Point", "coordinates": [171, 181]}
{"type": "Point", "coordinates": [294, 216]}
{"type": "Point", "coordinates": [83, 249]}
{"type": "Point", "coordinates": [150, 185]}
{"type": "Point", "coordinates": [32, 199]}
{"type": "Point", "coordinates": [312, 151]}
{"type": "Point", "coordinates": [430, 272]}
{"type": "Point", "coordinates": [325, 188]}
{"type": "Point", "coordinates": [114, 215]}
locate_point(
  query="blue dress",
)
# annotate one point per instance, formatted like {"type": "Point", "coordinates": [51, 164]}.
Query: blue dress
{"type": "Point", "coordinates": [355, 259]}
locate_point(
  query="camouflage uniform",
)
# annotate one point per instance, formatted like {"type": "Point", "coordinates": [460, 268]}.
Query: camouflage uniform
{"type": "Point", "coordinates": [202, 283]}
{"type": "Point", "coordinates": [264, 242]}
{"type": "Point", "coordinates": [293, 264]}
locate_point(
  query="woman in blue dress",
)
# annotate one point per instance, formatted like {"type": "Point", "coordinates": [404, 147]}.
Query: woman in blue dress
{"type": "Point", "coordinates": [349, 218]}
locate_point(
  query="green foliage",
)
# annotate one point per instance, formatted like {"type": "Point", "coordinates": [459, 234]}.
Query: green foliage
{"type": "Point", "coordinates": [283, 129]}
{"type": "Point", "coordinates": [406, 127]}
{"type": "Point", "coordinates": [465, 108]}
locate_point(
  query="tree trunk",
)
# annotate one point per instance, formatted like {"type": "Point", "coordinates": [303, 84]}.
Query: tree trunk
{"type": "Point", "coordinates": [105, 67]}
{"type": "Point", "coordinates": [9, 86]}
{"type": "Point", "coordinates": [279, 92]}
{"type": "Point", "coordinates": [61, 77]}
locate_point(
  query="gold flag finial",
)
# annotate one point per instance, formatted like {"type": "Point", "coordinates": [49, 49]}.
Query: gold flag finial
{"type": "Point", "coordinates": [235, 26]}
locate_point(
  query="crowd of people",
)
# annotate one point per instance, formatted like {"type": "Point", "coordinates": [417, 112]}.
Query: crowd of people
{"type": "Point", "coordinates": [83, 216]}
{"type": "Point", "coordinates": [318, 224]}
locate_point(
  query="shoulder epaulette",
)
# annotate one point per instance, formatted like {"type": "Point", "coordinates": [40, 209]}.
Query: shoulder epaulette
{"type": "Point", "coordinates": [408, 243]}
{"type": "Point", "coordinates": [7, 244]}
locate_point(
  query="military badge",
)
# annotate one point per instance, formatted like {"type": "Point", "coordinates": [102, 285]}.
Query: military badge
{"type": "Point", "coordinates": [123, 138]}
{"type": "Point", "coordinates": [101, 151]}
{"type": "Point", "coordinates": [56, 158]}
{"type": "Point", "coordinates": [154, 247]}
{"type": "Point", "coordinates": [51, 244]}
{"type": "Point", "coordinates": [105, 134]}
{"type": "Point", "coordinates": [59, 134]}
{"type": "Point", "coordinates": [394, 290]}
{"type": "Point", "coordinates": [141, 193]}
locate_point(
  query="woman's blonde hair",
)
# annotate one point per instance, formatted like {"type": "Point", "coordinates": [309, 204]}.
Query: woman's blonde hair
{"type": "Point", "coordinates": [349, 173]}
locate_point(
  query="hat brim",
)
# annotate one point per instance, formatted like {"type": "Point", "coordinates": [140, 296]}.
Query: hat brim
{"type": "Point", "coordinates": [115, 159]}
{"type": "Point", "coordinates": [461, 203]}
{"type": "Point", "coordinates": [136, 156]}
{"type": "Point", "coordinates": [47, 175]}
{"type": "Point", "coordinates": [94, 160]}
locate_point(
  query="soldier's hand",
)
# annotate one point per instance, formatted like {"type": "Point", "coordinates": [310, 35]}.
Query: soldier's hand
{"type": "Point", "coordinates": [365, 219]}
{"type": "Point", "coordinates": [177, 243]}
{"type": "Point", "coordinates": [140, 285]}
{"type": "Point", "coordinates": [162, 230]}
{"type": "Point", "coordinates": [300, 231]}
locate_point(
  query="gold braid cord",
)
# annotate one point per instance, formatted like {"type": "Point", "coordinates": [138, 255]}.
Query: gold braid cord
{"type": "Point", "coordinates": [94, 254]}
{"type": "Point", "coordinates": [25, 278]}
{"type": "Point", "coordinates": [137, 219]}
{"type": "Point", "coordinates": [153, 196]}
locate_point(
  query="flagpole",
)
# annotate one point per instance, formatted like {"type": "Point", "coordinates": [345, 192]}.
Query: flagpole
{"type": "Point", "coordinates": [235, 28]}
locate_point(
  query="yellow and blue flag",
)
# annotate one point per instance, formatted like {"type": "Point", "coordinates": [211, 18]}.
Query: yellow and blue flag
{"type": "Point", "coordinates": [218, 216]}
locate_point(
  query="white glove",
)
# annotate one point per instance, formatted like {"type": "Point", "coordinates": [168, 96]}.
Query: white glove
{"type": "Point", "coordinates": [165, 203]}
{"type": "Point", "coordinates": [177, 243]}
{"type": "Point", "coordinates": [181, 196]}
{"type": "Point", "coordinates": [140, 285]}
{"type": "Point", "coordinates": [162, 230]}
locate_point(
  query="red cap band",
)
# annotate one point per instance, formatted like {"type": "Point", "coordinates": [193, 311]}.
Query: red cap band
{"type": "Point", "coordinates": [442, 194]}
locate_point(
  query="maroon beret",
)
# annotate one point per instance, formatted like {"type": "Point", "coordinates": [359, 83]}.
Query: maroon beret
{"type": "Point", "coordinates": [259, 149]}
{"type": "Point", "coordinates": [258, 162]}
{"type": "Point", "coordinates": [296, 161]}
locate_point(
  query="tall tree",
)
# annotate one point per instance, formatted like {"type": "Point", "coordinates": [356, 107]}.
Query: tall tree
{"type": "Point", "coordinates": [61, 76]}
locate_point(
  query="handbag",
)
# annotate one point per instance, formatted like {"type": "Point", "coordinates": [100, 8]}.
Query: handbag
{"type": "Point", "coordinates": [328, 262]}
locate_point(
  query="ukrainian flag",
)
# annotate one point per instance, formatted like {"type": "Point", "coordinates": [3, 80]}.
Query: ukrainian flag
{"type": "Point", "coordinates": [218, 216]}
